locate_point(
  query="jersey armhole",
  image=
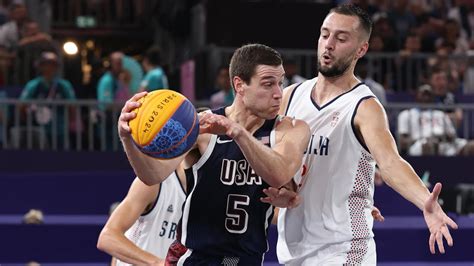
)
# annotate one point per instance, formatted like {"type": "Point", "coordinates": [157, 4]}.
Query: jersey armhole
{"type": "Point", "coordinates": [179, 181]}
{"type": "Point", "coordinates": [291, 97]}
{"type": "Point", "coordinates": [154, 204]}
{"type": "Point", "coordinates": [361, 142]}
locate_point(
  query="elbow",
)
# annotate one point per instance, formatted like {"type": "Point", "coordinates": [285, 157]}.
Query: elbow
{"type": "Point", "coordinates": [103, 241]}
{"type": "Point", "coordinates": [388, 167]}
{"type": "Point", "coordinates": [148, 180]}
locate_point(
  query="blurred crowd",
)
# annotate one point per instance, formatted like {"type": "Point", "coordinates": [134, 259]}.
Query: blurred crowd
{"type": "Point", "coordinates": [424, 48]}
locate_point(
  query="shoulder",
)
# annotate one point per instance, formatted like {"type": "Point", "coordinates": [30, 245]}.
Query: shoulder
{"type": "Point", "coordinates": [369, 111]}
{"type": "Point", "coordinates": [287, 94]}
{"type": "Point", "coordinates": [67, 88]}
{"type": "Point", "coordinates": [30, 87]}
{"type": "Point", "coordinates": [107, 77]}
{"type": "Point", "coordinates": [32, 83]}
{"type": "Point", "coordinates": [65, 84]}
{"type": "Point", "coordinates": [105, 82]}
{"type": "Point", "coordinates": [156, 73]}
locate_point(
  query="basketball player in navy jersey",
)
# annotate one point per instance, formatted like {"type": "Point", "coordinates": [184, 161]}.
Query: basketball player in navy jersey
{"type": "Point", "coordinates": [350, 134]}
{"type": "Point", "coordinates": [242, 149]}
{"type": "Point", "coordinates": [144, 224]}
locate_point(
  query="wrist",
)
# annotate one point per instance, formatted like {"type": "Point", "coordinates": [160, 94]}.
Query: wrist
{"type": "Point", "coordinates": [236, 132]}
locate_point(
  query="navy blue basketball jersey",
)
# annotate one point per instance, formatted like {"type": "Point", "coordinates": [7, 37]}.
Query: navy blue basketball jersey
{"type": "Point", "coordinates": [223, 216]}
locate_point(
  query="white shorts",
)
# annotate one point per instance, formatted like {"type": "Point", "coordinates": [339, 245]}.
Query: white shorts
{"type": "Point", "coordinates": [358, 253]}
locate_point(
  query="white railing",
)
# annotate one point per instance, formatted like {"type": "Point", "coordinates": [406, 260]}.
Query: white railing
{"type": "Point", "coordinates": [86, 125]}
{"type": "Point", "coordinates": [393, 70]}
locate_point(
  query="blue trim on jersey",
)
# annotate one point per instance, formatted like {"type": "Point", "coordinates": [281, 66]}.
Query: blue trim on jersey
{"type": "Point", "coordinates": [154, 204]}
{"type": "Point", "coordinates": [291, 98]}
{"type": "Point", "coordinates": [331, 101]}
{"type": "Point", "coordinates": [352, 121]}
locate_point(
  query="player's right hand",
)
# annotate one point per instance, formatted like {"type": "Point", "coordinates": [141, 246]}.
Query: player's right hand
{"type": "Point", "coordinates": [127, 114]}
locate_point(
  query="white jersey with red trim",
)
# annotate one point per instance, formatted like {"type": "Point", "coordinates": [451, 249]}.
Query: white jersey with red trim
{"type": "Point", "coordinates": [336, 184]}
{"type": "Point", "coordinates": [156, 230]}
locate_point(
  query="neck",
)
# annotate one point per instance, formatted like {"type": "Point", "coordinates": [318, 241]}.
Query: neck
{"type": "Point", "coordinates": [238, 113]}
{"type": "Point", "coordinates": [327, 88]}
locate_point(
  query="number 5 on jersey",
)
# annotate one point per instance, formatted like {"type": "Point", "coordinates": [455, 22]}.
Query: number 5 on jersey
{"type": "Point", "coordinates": [237, 218]}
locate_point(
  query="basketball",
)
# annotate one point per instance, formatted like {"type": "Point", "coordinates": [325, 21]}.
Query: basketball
{"type": "Point", "coordinates": [166, 125]}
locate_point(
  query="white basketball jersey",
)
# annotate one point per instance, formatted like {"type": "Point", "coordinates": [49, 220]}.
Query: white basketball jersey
{"type": "Point", "coordinates": [156, 230]}
{"type": "Point", "coordinates": [336, 182]}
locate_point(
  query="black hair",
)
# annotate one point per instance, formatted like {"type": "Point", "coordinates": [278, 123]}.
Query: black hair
{"type": "Point", "coordinates": [153, 55]}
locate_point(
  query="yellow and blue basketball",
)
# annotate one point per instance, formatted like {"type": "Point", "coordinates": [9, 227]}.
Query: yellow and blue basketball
{"type": "Point", "coordinates": [166, 125]}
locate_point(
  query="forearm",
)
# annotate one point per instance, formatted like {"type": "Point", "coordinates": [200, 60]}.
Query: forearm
{"type": "Point", "coordinates": [120, 247]}
{"type": "Point", "coordinates": [267, 163]}
{"type": "Point", "coordinates": [150, 170]}
{"type": "Point", "coordinates": [400, 176]}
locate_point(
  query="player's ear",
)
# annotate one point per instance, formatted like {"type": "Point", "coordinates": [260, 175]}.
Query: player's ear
{"type": "Point", "coordinates": [238, 85]}
{"type": "Point", "coordinates": [362, 50]}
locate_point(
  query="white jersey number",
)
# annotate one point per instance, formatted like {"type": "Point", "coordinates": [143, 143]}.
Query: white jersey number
{"type": "Point", "coordinates": [237, 218]}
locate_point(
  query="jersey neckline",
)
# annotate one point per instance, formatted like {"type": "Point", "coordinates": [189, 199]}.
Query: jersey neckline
{"type": "Point", "coordinates": [333, 100]}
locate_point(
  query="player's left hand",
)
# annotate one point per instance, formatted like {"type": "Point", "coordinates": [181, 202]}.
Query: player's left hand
{"type": "Point", "coordinates": [437, 221]}
{"type": "Point", "coordinates": [377, 215]}
{"type": "Point", "coordinates": [282, 198]}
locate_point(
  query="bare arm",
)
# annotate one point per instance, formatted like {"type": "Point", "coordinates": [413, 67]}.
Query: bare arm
{"type": "Point", "coordinates": [112, 238]}
{"type": "Point", "coordinates": [276, 165]}
{"type": "Point", "coordinates": [371, 123]}
{"type": "Point", "coordinates": [150, 170]}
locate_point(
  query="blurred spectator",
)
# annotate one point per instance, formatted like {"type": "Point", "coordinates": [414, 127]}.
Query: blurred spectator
{"type": "Point", "coordinates": [468, 75]}
{"type": "Point", "coordinates": [10, 32]}
{"type": "Point", "coordinates": [291, 72]}
{"type": "Point", "coordinates": [442, 61]}
{"type": "Point", "coordinates": [3, 14]}
{"type": "Point", "coordinates": [375, 87]}
{"type": "Point", "coordinates": [463, 12]}
{"type": "Point", "coordinates": [429, 131]}
{"type": "Point", "coordinates": [383, 28]}
{"type": "Point", "coordinates": [32, 35]}
{"type": "Point", "coordinates": [438, 80]}
{"type": "Point", "coordinates": [401, 19]}
{"type": "Point", "coordinates": [112, 85]}
{"type": "Point", "coordinates": [155, 77]}
{"type": "Point", "coordinates": [49, 86]}
{"type": "Point", "coordinates": [410, 65]}
{"type": "Point", "coordinates": [224, 95]}
{"type": "Point", "coordinates": [381, 68]}
{"type": "Point", "coordinates": [452, 37]}
{"type": "Point", "coordinates": [427, 33]}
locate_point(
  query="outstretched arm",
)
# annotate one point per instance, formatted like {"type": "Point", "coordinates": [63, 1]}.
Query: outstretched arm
{"type": "Point", "coordinates": [371, 123]}
{"type": "Point", "coordinates": [112, 238]}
